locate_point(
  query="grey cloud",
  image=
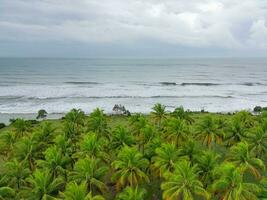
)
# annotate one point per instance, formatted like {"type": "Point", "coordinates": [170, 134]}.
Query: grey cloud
{"type": "Point", "coordinates": [222, 24]}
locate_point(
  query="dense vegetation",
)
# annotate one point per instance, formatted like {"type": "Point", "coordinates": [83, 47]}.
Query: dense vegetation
{"type": "Point", "coordinates": [172, 156]}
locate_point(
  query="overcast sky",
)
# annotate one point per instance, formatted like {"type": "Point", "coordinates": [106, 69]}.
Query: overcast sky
{"type": "Point", "coordinates": [88, 28]}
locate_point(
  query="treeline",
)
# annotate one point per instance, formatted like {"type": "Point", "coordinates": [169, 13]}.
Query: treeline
{"type": "Point", "coordinates": [164, 155]}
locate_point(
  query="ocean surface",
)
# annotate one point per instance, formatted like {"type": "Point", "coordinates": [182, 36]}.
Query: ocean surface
{"type": "Point", "coordinates": [58, 85]}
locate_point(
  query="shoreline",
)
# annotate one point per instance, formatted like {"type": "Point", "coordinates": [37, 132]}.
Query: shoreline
{"type": "Point", "coordinates": [5, 117]}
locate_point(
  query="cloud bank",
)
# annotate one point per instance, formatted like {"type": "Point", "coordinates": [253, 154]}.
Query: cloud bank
{"type": "Point", "coordinates": [207, 24]}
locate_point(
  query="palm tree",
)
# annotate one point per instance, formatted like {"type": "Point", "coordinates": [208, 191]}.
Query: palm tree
{"type": "Point", "coordinates": [208, 132]}
{"type": "Point", "coordinates": [263, 187]}
{"type": "Point", "coordinates": [243, 158]}
{"type": "Point", "coordinates": [129, 167]}
{"type": "Point", "coordinates": [16, 172]}
{"type": "Point", "coordinates": [131, 193]}
{"type": "Point", "coordinates": [237, 131]}
{"type": "Point", "coordinates": [75, 116]}
{"type": "Point", "coordinates": [98, 122]}
{"type": "Point", "coordinates": [207, 163]}
{"type": "Point", "coordinates": [74, 122]}
{"type": "Point", "coordinates": [245, 117]}
{"type": "Point", "coordinates": [121, 136]}
{"type": "Point", "coordinates": [180, 113]}
{"type": "Point", "coordinates": [138, 122]}
{"type": "Point", "coordinates": [54, 161]}
{"type": "Point", "coordinates": [191, 150]}
{"type": "Point", "coordinates": [64, 144]}
{"type": "Point", "coordinates": [91, 171]}
{"type": "Point", "coordinates": [92, 146]}
{"type": "Point", "coordinates": [176, 131]}
{"type": "Point", "coordinates": [7, 141]}
{"type": "Point", "coordinates": [44, 135]}
{"type": "Point", "coordinates": [7, 193]}
{"type": "Point", "coordinates": [79, 192]}
{"type": "Point", "coordinates": [230, 185]}
{"type": "Point", "coordinates": [257, 139]}
{"type": "Point", "coordinates": [183, 183]}
{"type": "Point", "coordinates": [146, 135]}
{"type": "Point", "coordinates": [26, 150]}
{"type": "Point", "coordinates": [159, 113]}
{"type": "Point", "coordinates": [21, 126]}
{"type": "Point", "coordinates": [165, 159]}
{"type": "Point", "coordinates": [43, 186]}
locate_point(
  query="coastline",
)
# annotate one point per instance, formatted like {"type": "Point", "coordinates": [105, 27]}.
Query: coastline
{"type": "Point", "coordinates": [5, 117]}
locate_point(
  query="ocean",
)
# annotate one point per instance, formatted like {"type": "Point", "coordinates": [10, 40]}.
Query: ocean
{"type": "Point", "coordinates": [60, 84]}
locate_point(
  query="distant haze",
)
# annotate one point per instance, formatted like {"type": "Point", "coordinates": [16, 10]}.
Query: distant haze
{"type": "Point", "coordinates": [129, 28]}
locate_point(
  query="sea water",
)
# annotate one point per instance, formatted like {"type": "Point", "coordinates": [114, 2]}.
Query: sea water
{"type": "Point", "coordinates": [60, 84]}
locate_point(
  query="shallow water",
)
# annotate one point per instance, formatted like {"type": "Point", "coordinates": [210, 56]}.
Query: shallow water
{"type": "Point", "coordinates": [57, 85]}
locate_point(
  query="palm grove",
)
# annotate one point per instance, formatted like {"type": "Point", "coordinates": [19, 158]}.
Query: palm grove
{"type": "Point", "coordinates": [164, 155]}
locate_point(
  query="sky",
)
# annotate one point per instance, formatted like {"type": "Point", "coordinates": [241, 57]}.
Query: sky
{"type": "Point", "coordinates": [133, 28]}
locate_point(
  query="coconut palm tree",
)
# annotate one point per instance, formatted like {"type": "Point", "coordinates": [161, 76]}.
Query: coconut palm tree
{"type": "Point", "coordinates": [159, 113]}
{"type": "Point", "coordinates": [54, 161]}
{"type": "Point", "coordinates": [236, 132]}
{"type": "Point", "coordinates": [132, 193]}
{"type": "Point", "coordinates": [146, 135]}
{"type": "Point", "coordinates": [191, 150]}
{"type": "Point", "coordinates": [26, 150]}
{"type": "Point", "coordinates": [121, 136]}
{"type": "Point", "coordinates": [166, 157]}
{"type": "Point", "coordinates": [78, 192]}
{"type": "Point", "coordinates": [257, 140]}
{"type": "Point", "coordinates": [245, 117]}
{"type": "Point", "coordinates": [183, 183]}
{"type": "Point", "coordinates": [243, 158]}
{"type": "Point", "coordinates": [208, 132]}
{"type": "Point", "coordinates": [98, 122]}
{"type": "Point", "coordinates": [231, 186]}
{"type": "Point", "coordinates": [263, 188]}
{"type": "Point", "coordinates": [64, 144]}
{"type": "Point", "coordinates": [43, 186]}
{"type": "Point", "coordinates": [16, 172]}
{"type": "Point", "coordinates": [207, 163]}
{"type": "Point", "coordinates": [129, 167]}
{"type": "Point", "coordinates": [75, 116]}
{"type": "Point", "coordinates": [44, 136]}
{"type": "Point", "coordinates": [180, 113]}
{"type": "Point", "coordinates": [93, 146]}
{"type": "Point", "coordinates": [21, 126]}
{"type": "Point", "coordinates": [7, 142]}
{"type": "Point", "coordinates": [91, 171]}
{"type": "Point", "coordinates": [138, 122]}
{"type": "Point", "coordinates": [7, 193]}
{"type": "Point", "coordinates": [176, 131]}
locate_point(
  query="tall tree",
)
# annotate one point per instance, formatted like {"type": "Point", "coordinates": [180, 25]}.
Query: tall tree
{"type": "Point", "coordinates": [16, 172]}
{"type": "Point", "coordinates": [183, 183]}
{"type": "Point", "coordinates": [243, 158]}
{"type": "Point", "coordinates": [176, 131]}
{"type": "Point", "coordinates": [166, 157]}
{"type": "Point", "coordinates": [78, 192]}
{"type": "Point", "coordinates": [231, 186]}
{"type": "Point", "coordinates": [132, 193]}
{"type": "Point", "coordinates": [92, 172]}
{"type": "Point", "coordinates": [180, 113]}
{"type": "Point", "coordinates": [120, 137]}
{"type": "Point", "coordinates": [54, 161]}
{"type": "Point", "coordinates": [159, 113]}
{"type": "Point", "coordinates": [129, 167]}
{"type": "Point", "coordinates": [98, 122]}
{"type": "Point", "coordinates": [21, 126]}
{"type": "Point", "coordinates": [43, 186]}
{"type": "Point", "coordinates": [208, 132]}
{"type": "Point", "coordinates": [257, 139]}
